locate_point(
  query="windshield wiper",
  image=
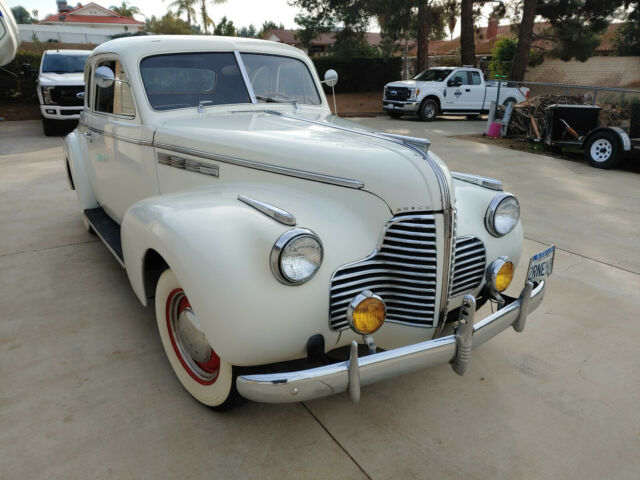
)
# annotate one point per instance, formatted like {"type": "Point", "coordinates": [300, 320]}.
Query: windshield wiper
{"type": "Point", "coordinates": [270, 99]}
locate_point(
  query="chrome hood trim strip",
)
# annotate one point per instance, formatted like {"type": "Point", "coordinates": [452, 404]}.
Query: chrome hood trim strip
{"type": "Point", "coordinates": [269, 210]}
{"type": "Point", "coordinates": [265, 167]}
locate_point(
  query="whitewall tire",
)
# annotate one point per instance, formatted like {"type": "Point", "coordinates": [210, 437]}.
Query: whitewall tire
{"type": "Point", "coordinates": [208, 378]}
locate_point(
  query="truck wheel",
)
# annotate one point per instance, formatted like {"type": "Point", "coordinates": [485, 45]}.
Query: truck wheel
{"type": "Point", "coordinates": [206, 376]}
{"type": "Point", "coordinates": [603, 150]}
{"type": "Point", "coordinates": [394, 114]}
{"type": "Point", "coordinates": [428, 110]}
{"type": "Point", "coordinates": [50, 127]}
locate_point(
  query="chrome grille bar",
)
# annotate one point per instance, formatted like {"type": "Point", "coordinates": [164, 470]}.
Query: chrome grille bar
{"type": "Point", "coordinates": [470, 265]}
{"type": "Point", "coordinates": [402, 271]}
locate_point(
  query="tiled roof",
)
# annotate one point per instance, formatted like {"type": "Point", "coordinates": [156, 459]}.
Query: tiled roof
{"type": "Point", "coordinates": [328, 38]}
{"type": "Point", "coordinates": [71, 17]}
{"type": "Point", "coordinates": [285, 35]}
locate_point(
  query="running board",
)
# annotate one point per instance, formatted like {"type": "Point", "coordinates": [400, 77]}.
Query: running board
{"type": "Point", "coordinates": [107, 230]}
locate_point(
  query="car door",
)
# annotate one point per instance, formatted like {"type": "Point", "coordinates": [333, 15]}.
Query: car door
{"type": "Point", "coordinates": [454, 92]}
{"type": "Point", "coordinates": [474, 91]}
{"type": "Point", "coordinates": [120, 152]}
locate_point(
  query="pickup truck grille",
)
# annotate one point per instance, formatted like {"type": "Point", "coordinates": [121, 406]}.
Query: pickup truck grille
{"type": "Point", "coordinates": [469, 266]}
{"type": "Point", "coordinates": [396, 93]}
{"type": "Point", "coordinates": [66, 96]}
{"type": "Point", "coordinates": [402, 271]}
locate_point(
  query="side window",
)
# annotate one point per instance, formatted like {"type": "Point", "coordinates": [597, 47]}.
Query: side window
{"type": "Point", "coordinates": [117, 98]}
{"type": "Point", "coordinates": [475, 78]}
{"type": "Point", "coordinates": [460, 75]}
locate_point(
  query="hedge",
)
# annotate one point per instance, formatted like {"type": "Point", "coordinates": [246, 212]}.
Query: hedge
{"type": "Point", "coordinates": [360, 74]}
{"type": "Point", "coordinates": [18, 85]}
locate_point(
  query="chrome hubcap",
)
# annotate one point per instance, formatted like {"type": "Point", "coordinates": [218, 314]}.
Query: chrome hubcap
{"type": "Point", "coordinates": [429, 110]}
{"type": "Point", "coordinates": [601, 150]}
{"type": "Point", "coordinates": [188, 340]}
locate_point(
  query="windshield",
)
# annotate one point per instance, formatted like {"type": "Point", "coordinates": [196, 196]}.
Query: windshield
{"type": "Point", "coordinates": [280, 79]}
{"type": "Point", "coordinates": [433, 75]}
{"type": "Point", "coordinates": [61, 63]}
{"type": "Point", "coordinates": [184, 80]}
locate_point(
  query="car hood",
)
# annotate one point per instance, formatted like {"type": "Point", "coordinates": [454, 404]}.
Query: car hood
{"type": "Point", "coordinates": [55, 79]}
{"type": "Point", "coordinates": [315, 143]}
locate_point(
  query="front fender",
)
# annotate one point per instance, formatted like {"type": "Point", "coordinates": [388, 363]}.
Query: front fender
{"type": "Point", "coordinates": [76, 155]}
{"type": "Point", "coordinates": [471, 204]}
{"type": "Point", "coordinates": [219, 248]}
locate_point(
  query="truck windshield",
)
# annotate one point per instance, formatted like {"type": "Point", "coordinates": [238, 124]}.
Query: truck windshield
{"type": "Point", "coordinates": [63, 63]}
{"type": "Point", "coordinates": [433, 75]}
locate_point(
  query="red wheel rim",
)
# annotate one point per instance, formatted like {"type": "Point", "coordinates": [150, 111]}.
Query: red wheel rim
{"type": "Point", "coordinates": [205, 373]}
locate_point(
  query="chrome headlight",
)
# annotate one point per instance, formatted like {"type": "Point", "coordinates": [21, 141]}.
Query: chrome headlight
{"type": "Point", "coordinates": [296, 256]}
{"type": "Point", "coordinates": [46, 95]}
{"type": "Point", "coordinates": [413, 93]}
{"type": "Point", "coordinates": [502, 215]}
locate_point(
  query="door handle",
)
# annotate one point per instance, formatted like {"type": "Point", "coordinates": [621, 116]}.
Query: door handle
{"type": "Point", "coordinates": [88, 136]}
{"type": "Point", "coordinates": [467, 90]}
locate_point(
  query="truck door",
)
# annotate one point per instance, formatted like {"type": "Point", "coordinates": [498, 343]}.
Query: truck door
{"type": "Point", "coordinates": [468, 96]}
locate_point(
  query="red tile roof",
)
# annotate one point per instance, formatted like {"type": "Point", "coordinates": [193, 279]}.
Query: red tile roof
{"type": "Point", "coordinates": [70, 17]}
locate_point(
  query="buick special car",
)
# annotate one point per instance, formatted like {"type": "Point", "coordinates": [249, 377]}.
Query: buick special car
{"type": "Point", "coordinates": [289, 254]}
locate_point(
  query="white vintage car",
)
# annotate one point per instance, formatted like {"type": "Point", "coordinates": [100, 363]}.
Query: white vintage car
{"type": "Point", "coordinates": [291, 255]}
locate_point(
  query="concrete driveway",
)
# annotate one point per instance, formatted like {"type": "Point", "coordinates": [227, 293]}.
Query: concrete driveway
{"type": "Point", "coordinates": [86, 390]}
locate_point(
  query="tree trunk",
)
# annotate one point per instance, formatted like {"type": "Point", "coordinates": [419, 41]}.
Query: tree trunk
{"type": "Point", "coordinates": [423, 38]}
{"type": "Point", "coordinates": [520, 59]}
{"type": "Point", "coordinates": [467, 44]}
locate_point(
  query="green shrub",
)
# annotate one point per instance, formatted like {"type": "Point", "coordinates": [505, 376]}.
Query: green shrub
{"type": "Point", "coordinates": [360, 74]}
{"type": "Point", "coordinates": [13, 83]}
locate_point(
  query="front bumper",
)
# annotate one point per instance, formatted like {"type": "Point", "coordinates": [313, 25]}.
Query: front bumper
{"type": "Point", "coordinates": [351, 374]}
{"type": "Point", "coordinates": [397, 106]}
{"type": "Point", "coordinates": [56, 112]}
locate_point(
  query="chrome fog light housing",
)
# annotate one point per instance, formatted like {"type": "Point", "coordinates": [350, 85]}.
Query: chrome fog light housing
{"type": "Point", "coordinates": [500, 274]}
{"type": "Point", "coordinates": [296, 256]}
{"type": "Point", "coordinates": [502, 215]}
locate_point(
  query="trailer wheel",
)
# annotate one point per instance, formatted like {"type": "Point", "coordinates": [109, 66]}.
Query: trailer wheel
{"type": "Point", "coordinates": [603, 150]}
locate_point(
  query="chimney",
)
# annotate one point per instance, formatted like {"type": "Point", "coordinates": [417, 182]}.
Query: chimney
{"type": "Point", "coordinates": [492, 28]}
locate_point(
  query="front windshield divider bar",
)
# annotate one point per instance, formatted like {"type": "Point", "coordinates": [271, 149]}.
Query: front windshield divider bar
{"type": "Point", "coordinates": [245, 77]}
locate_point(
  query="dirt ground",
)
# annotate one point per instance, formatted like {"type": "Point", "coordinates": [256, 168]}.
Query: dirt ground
{"type": "Point", "coordinates": [19, 111]}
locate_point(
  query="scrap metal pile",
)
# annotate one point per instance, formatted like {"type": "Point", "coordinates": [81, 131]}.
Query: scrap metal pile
{"type": "Point", "coordinates": [529, 118]}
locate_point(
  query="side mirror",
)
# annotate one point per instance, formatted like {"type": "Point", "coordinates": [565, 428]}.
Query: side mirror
{"type": "Point", "coordinates": [104, 77]}
{"type": "Point", "coordinates": [330, 78]}
{"type": "Point", "coordinates": [456, 82]}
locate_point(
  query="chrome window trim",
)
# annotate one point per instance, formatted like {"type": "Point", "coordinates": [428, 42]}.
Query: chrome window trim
{"type": "Point", "coordinates": [265, 167]}
{"type": "Point", "coordinates": [278, 247]}
{"type": "Point", "coordinates": [245, 77]}
{"type": "Point", "coordinates": [269, 210]}
{"type": "Point", "coordinates": [117, 137]}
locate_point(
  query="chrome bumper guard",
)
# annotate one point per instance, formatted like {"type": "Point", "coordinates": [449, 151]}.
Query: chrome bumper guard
{"type": "Point", "coordinates": [351, 374]}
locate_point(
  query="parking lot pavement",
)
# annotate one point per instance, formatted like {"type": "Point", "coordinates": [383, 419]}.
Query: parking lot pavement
{"type": "Point", "coordinates": [86, 390]}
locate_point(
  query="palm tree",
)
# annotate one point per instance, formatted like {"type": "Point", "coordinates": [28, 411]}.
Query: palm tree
{"type": "Point", "coordinates": [35, 14]}
{"type": "Point", "coordinates": [125, 9]}
{"type": "Point", "coordinates": [185, 6]}
{"type": "Point", "coordinates": [206, 20]}
{"type": "Point", "coordinates": [451, 12]}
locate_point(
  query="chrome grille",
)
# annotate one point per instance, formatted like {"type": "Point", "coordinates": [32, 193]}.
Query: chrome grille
{"type": "Point", "coordinates": [402, 271]}
{"type": "Point", "coordinates": [470, 264]}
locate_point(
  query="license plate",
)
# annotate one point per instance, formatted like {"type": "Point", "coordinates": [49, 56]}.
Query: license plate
{"type": "Point", "coordinates": [541, 265]}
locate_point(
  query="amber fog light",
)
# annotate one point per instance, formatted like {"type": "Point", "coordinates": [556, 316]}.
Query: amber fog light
{"type": "Point", "coordinates": [366, 313]}
{"type": "Point", "coordinates": [500, 274]}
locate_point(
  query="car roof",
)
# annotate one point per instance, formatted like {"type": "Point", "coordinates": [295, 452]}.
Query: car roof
{"type": "Point", "coordinates": [134, 48]}
{"type": "Point", "coordinates": [67, 52]}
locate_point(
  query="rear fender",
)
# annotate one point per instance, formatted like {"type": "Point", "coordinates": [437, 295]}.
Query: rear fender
{"type": "Point", "coordinates": [219, 249]}
{"type": "Point", "coordinates": [76, 155]}
{"type": "Point", "coordinates": [623, 137]}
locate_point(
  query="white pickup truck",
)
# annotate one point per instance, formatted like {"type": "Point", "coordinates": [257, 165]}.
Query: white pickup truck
{"type": "Point", "coordinates": [60, 80]}
{"type": "Point", "coordinates": [447, 90]}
